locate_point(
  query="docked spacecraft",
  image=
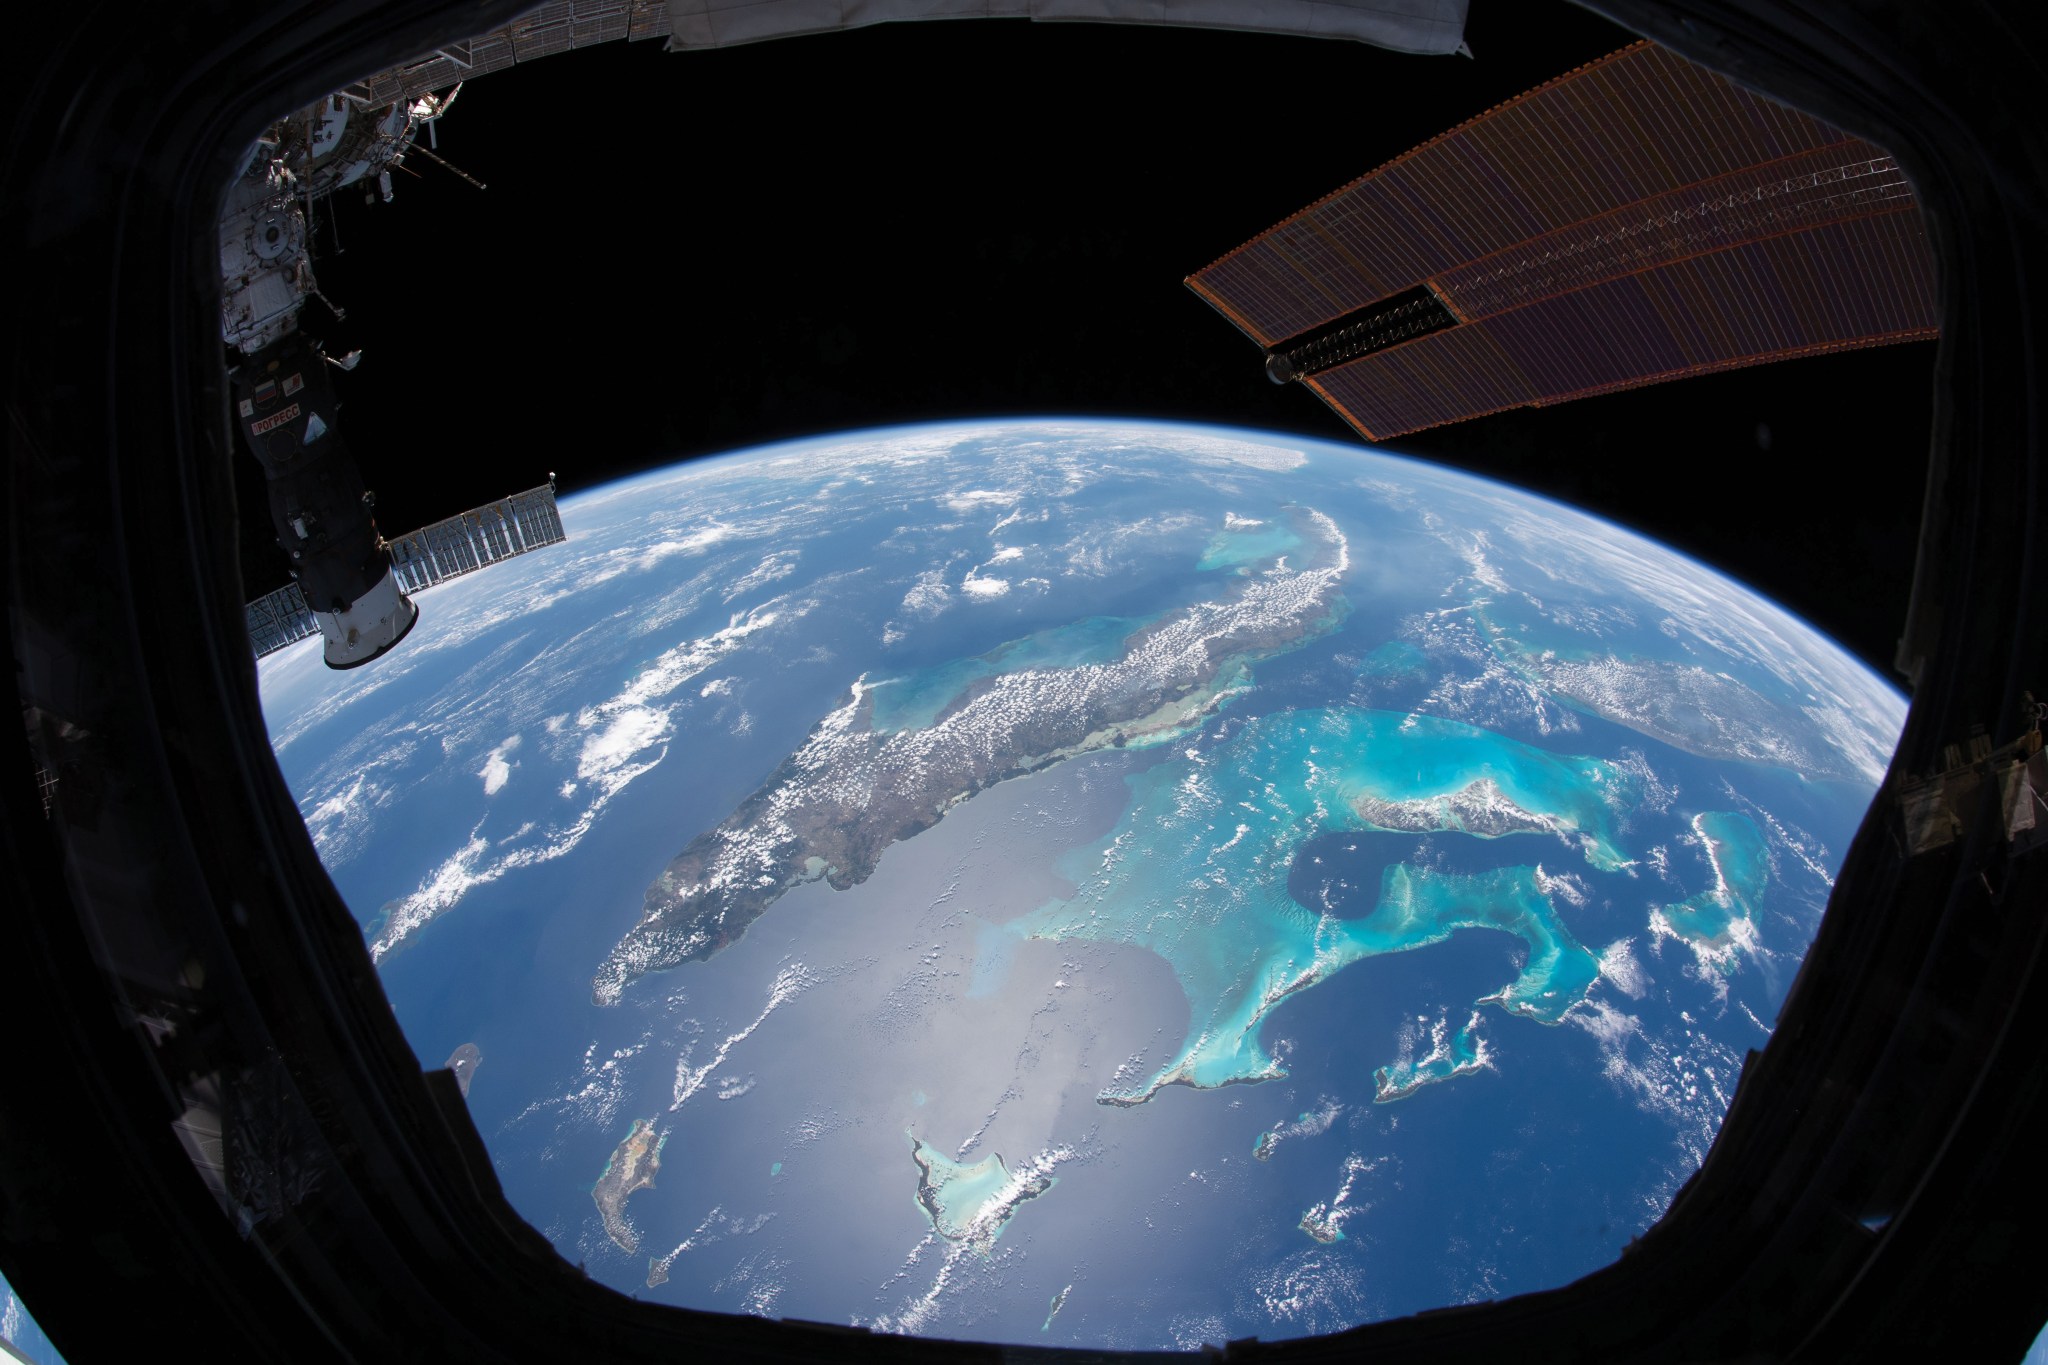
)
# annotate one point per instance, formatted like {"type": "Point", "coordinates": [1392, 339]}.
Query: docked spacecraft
{"type": "Point", "coordinates": [283, 393]}
{"type": "Point", "coordinates": [350, 585]}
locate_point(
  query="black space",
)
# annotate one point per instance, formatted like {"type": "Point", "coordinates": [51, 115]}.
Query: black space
{"type": "Point", "coordinates": [680, 254]}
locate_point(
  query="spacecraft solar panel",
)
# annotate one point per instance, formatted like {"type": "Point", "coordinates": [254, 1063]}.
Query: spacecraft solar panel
{"type": "Point", "coordinates": [279, 618]}
{"type": "Point", "coordinates": [1637, 220]}
{"type": "Point", "coordinates": [463, 544]}
{"type": "Point", "coordinates": [419, 559]}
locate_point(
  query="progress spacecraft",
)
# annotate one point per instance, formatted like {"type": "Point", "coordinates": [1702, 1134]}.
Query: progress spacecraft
{"type": "Point", "coordinates": [349, 583]}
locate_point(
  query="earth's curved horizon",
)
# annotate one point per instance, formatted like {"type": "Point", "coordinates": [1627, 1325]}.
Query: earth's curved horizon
{"type": "Point", "coordinates": [1089, 882]}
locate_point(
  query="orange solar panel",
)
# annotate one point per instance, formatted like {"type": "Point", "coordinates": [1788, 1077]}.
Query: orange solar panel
{"type": "Point", "coordinates": [1637, 220]}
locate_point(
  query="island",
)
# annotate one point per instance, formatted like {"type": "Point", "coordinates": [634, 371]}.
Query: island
{"type": "Point", "coordinates": [1310, 1123]}
{"type": "Point", "coordinates": [633, 1165]}
{"type": "Point", "coordinates": [1324, 1222]}
{"type": "Point", "coordinates": [1319, 1224]}
{"type": "Point", "coordinates": [463, 1062]}
{"type": "Point", "coordinates": [973, 1204]}
{"type": "Point", "coordinates": [1449, 1057]}
{"type": "Point", "coordinates": [1478, 808]}
{"type": "Point", "coordinates": [1059, 1301]}
{"type": "Point", "coordinates": [1719, 922]}
{"type": "Point", "coordinates": [855, 787]}
{"type": "Point", "coordinates": [1196, 870]}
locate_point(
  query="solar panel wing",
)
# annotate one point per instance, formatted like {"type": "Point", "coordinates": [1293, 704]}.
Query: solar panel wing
{"type": "Point", "coordinates": [1637, 220]}
{"type": "Point", "coordinates": [1837, 287]}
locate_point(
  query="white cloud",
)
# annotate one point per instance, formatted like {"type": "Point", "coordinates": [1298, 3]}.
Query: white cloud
{"type": "Point", "coordinates": [342, 820]}
{"type": "Point", "coordinates": [683, 662]}
{"type": "Point", "coordinates": [1312, 1123]}
{"type": "Point", "coordinates": [791, 980]}
{"type": "Point", "coordinates": [1202, 448]}
{"type": "Point", "coordinates": [1101, 553]}
{"type": "Point", "coordinates": [929, 595]}
{"type": "Point", "coordinates": [624, 737]}
{"type": "Point", "coordinates": [1329, 1216]}
{"type": "Point", "coordinates": [1618, 964]}
{"type": "Point", "coordinates": [984, 587]}
{"type": "Point", "coordinates": [1607, 1024]}
{"type": "Point", "coordinates": [646, 557]}
{"type": "Point", "coordinates": [465, 870]}
{"type": "Point", "coordinates": [964, 1260]}
{"type": "Point", "coordinates": [631, 730]}
{"type": "Point", "coordinates": [771, 569]}
{"type": "Point", "coordinates": [972, 498]}
{"type": "Point", "coordinates": [496, 772]}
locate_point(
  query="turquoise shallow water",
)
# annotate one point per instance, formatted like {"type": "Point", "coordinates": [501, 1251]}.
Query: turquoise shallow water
{"type": "Point", "coordinates": [1739, 852]}
{"type": "Point", "coordinates": [1450, 1054]}
{"type": "Point", "coordinates": [1742, 866]}
{"type": "Point", "coordinates": [1395, 660]}
{"type": "Point", "coordinates": [1421, 760]}
{"type": "Point", "coordinates": [916, 700]}
{"type": "Point", "coordinates": [1197, 870]}
{"type": "Point", "coordinates": [1418, 906]}
{"type": "Point", "coordinates": [1243, 545]}
{"type": "Point", "coordinates": [1159, 956]}
{"type": "Point", "coordinates": [972, 1202]}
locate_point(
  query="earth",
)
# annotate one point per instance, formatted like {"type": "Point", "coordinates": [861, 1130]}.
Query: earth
{"type": "Point", "coordinates": [1067, 882]}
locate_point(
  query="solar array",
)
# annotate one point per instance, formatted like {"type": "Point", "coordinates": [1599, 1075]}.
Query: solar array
{"type": "Point", "coordinates": [465, 543]}
{"type": "Point", "coordinates": [420, 559]}
{"type": "Point", "coordinates": [1637, 220]}
{"type": "Point", "coordinates": [280, 618]}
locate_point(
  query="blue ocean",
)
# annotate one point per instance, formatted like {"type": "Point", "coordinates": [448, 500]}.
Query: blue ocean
{"type": "Point", "coordinates": [1416, 967]}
